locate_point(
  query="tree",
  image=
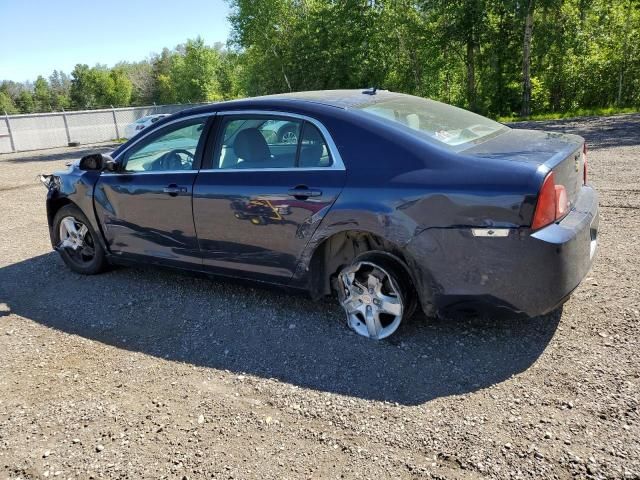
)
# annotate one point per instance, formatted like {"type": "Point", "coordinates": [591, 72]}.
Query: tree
{"type": "Point", "coordinates": [59, 84]}
{"type": "Point", "coordinates": [41, 95]}
{"type": "Point", "coordinates": [193, 75]}
{"type": "Point", "coordinates": [25, 102]}
{"type": "Point", "coordinates": [81, 90]}
{"type": "Point", "coordinates": [140, 74]}
{"type": "Point", "coordinates": [163, 90]}
{"type": "Point", "coordinates": [6, 104]}
{"type": "Point", "coordinates": [120, 88]}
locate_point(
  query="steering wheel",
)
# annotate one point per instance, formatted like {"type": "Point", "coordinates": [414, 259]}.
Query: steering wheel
{"type": "Point", "coordinates": [173, 160]}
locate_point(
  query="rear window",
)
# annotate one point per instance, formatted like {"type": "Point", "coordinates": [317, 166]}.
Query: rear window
{"type": "Point", "coordinates": [451, 126]}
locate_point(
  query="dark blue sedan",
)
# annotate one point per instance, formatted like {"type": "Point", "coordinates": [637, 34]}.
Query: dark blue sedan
{"type": "Point", "coordinates": [390, 201]}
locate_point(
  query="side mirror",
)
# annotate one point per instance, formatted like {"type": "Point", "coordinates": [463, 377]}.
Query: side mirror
{"type": "Point", "coordinates": [99, 162]}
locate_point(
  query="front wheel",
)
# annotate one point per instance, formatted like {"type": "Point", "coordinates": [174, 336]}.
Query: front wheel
{"type": "Point", "coordinates": [77, 242]}
{"type": "Point", "coordinates": [375, 294]}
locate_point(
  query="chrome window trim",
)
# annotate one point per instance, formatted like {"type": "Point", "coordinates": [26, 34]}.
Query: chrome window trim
{"type": "Point", "coordinates": [144, 135]}
{"type": "Point", "coordinates": [148, 172]}
{"type": "Point", "coordinates": [271, 169]}
{"type": "Point", "coordinates": [337, 164]}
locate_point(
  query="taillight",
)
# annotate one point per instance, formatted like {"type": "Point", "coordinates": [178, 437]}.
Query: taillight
{"type": "Point", "coordinates": [584, 162]}
{"type": "Point", "coordinates": [553, 203]}
{"type": "Point", "coordinates": [562, 201]}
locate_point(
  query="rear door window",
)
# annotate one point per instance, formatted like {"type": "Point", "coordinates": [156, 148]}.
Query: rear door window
{"type": "Point", "coordinates": [261, 142]}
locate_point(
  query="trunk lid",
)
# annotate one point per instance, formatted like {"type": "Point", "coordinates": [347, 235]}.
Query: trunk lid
{"type": "Point", "coordinates": [559, 152]}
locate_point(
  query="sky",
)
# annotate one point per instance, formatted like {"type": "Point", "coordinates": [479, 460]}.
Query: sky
{"type": "Point", "coordinates": [39, 36]}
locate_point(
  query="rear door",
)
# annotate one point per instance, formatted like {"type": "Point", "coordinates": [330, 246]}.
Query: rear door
{"type": "Point", "coordinates": [145, 208]}
{"type": "Point", "coordinates": [261, 195]}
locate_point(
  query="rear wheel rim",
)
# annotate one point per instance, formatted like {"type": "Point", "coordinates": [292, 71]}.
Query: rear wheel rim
{"type": "Point", "coordinates": [76, 241]}
{"type": "Point", "coordinates": [289, 137]}
{"type": "Point", "coordinates": [371, 300]}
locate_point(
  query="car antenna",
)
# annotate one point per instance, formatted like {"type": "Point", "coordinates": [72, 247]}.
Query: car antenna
{"type": "Point", "coordinates": [370, 91]}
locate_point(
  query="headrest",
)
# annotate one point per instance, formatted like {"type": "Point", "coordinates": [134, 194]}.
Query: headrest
{"type": "Point", "coordinates": [251, 146]}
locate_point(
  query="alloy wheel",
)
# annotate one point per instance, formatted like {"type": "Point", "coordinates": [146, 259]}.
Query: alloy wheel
{"type": "Point", "coordinates": [371, 299]}
{"type": "Point", "coordinates": [76, 240]}
{"type": "Point", "coordinates": [289, 137]}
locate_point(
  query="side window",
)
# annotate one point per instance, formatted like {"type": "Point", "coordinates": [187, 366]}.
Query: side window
{"type": "Point", "coordinates": [273, 142]}
{"type": "Point", "coordinates": [173, 149]}
{"type": "Point", "coordinates": [256, 142]}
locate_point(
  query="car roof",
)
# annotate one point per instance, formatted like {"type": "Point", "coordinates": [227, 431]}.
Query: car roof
{"type": "Point", "coordinates": [342, 99]}
{"type": "Point", "coordinates": [336, 98]}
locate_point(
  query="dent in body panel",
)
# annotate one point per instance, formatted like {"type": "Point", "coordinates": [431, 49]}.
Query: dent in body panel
{"type": "Point", "coordinates": [249, 223]}
{"type": "Point", "coordinates": [141, 220]}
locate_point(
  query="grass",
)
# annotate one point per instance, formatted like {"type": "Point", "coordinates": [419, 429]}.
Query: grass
{"type": "Point", "coordinates": [581, 112]}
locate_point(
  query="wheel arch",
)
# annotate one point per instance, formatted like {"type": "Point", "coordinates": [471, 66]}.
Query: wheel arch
{"type": "Point", "coordinates": [340, 249]}
{"type": "Point", "coordinates": [54, 205]}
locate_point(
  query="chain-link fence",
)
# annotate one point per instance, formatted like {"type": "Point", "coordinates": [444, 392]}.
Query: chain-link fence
{"type": "Point", "coordinates": [35, 131]}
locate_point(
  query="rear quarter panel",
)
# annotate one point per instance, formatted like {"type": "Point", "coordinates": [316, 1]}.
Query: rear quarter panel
{"type": "Point", "coordinates": [398, 186]}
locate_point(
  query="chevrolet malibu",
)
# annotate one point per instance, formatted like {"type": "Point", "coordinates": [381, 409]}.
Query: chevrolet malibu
{"type": "Point", "coordinates": [394, 203]}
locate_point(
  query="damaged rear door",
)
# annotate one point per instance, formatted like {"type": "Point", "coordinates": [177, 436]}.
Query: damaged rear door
{"type": "Point", "coordinates": [261, 195]}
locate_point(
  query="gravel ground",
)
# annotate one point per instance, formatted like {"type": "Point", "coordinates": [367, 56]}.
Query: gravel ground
{"type": "Point", "coordinates": [155, 374]}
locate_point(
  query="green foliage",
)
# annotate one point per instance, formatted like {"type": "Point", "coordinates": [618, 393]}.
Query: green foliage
{"type": "Point", "coordinates": [41, 95]}
{"type": "Point", "coordinates": [100, 87]}
{"type": "Point", "coordinates": [6, 104]}
{"type": "Point", "coordinates": [193, 75]}
{"type": "Point", "coordinates": [25, 102]}
{"type": "Point", "coordinates": [59, 84]}
{"type": "Point", "coordinates": [142, 82]}
{"type": "Point", "coordinates": [581, 112]}
{"type": "Point", "coordinates": [584, 54]}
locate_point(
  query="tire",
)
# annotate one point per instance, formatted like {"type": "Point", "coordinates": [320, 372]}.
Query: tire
{"type": "Point", "coordinates": [82, 251]}
{"type": "Point", "coordinates": [258, 221]}
{"type": "Point", "coordinates": [376, 294]}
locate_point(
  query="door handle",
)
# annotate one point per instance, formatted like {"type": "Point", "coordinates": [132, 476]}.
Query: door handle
{"type": "Point", "coordinates": [302, 192]}
{"type": "Point", "coordinates": [174, 189]}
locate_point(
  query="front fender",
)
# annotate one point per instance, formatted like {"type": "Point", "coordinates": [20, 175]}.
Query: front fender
{"type": "Point", "coordinates": [75, 187]}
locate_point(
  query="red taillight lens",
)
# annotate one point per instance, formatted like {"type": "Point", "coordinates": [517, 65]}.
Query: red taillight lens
{"type": "Point", "coordinates": [553, 203]}
{"type": "Point", "coordinates": [546, 208]}
{"type": "Point", "coordinates": [584, 159]}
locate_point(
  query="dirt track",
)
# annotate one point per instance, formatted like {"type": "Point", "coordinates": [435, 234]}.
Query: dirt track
{"type": "Point", "coordinates": [154, 374]}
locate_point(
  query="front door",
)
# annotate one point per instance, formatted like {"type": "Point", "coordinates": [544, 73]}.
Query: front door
{"type": "Point", "coordinates": [145, 208]}
{"type": "Point", "coordinates": [268, 184]}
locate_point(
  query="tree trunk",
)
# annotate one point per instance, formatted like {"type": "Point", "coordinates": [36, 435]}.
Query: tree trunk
{"type": "Point", "coordinates": [471, 74]}
{"type": "Point", "coordinates": [623, 63]}
{"type": "Point", "coordinates": [526, 61]}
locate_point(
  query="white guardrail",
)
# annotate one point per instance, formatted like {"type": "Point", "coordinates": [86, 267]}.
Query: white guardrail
{"type": "Point", "coordinates": [36, 131]}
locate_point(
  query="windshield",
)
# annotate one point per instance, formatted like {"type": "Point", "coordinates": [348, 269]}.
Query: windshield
{"type": "Point", "coordinates": [452, 126]}
{"type": "Point", "coordinates": [142, 120]}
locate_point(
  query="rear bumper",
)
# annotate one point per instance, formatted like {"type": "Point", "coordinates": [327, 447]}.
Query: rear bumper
{"type": "Point", "coordinates": [524, 272]}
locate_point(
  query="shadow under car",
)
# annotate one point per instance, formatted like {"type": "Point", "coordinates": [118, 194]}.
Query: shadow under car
{"type": "Point", "coordinates": [224, 325]}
